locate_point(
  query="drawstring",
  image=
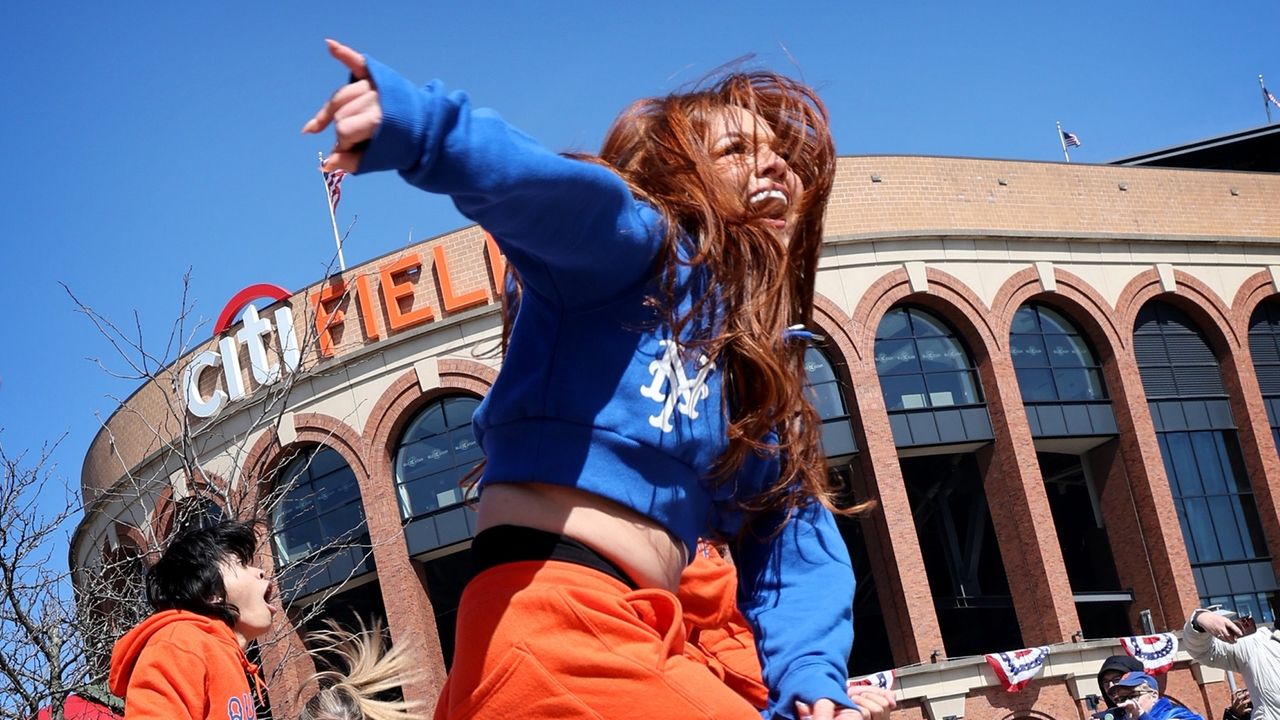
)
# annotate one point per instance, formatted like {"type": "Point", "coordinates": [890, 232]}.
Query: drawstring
{"type": "Point", "coordinates": [257, 685]}
{"type": "Point", "coordinates": [252, 670]}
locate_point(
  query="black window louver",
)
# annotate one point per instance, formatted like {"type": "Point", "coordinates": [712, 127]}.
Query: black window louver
{"type": "Point", "coordinates": [1269, 379]}
{"type": "Point", "coordinates": [1150, 350]}
{"type": "Point", "coordinates": [1158, 382]}
{"type": "Point", "coordinates": [1173, 358]}
{"type": "Point", "coordinates": [1263, 348]}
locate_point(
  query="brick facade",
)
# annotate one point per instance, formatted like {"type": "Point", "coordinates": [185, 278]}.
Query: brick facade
{"type": "Point", "coordinates": [988, 235]}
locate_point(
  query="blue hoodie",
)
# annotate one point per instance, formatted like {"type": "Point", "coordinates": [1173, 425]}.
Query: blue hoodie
{"type": "Point", "coordinates": [594, 393]}
{"type": "Point", "coordinates": [1164, 709]}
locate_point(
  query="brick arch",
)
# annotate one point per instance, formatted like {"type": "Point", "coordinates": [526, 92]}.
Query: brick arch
{"type": "Point", "coordinates": [132, 537]}
{"type": "Point", "coordinates": [892, 548]}
{"type": "Point", "coordinates": [1192, 296]}
{"type": "Point", "coordinates": [398, 403]}
{"type": "Point", "coordinates": [1255, 290]}
{"type": "Point", "coordinates": [831, 322]}
{"type": "Point", "coordinates": [1249, 409]}
{"type": "Point", "coordinates": [260, 466]}
{"type": "Point", "coordinates": [1009, 471]}
{"type": "Point", "coordinates": [892, 545]}
{"type": "Point", "coordinates": [209, 485]}
{"type": "Point", "coordinates": [948, 296]}
{"type": "Point", "coordinates": [1130, 471]}
{"type": "Point", "coordinates": [836, 326]}
{"type": "Point", "coordinates": [322, 429]}
{"type": "Point", "coordinates": [1152, 491]}
{"type": "Point", "coordinates": [268, 456]}
{"type": "Point", "coordinates": [1074, 296]}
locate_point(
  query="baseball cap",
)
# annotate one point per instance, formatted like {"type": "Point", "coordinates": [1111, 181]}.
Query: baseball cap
{"type": "Point", "coordinates": [1135, 678]}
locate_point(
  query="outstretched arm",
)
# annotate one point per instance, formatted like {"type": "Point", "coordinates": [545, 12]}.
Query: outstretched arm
{"type": "Point", "coordinates": [354, 109]}
{"type": "Point", "coordinates": [557, 219]}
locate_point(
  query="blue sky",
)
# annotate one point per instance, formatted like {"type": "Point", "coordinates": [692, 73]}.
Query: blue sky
{"type": "Point", "coordinates": [143, 138]}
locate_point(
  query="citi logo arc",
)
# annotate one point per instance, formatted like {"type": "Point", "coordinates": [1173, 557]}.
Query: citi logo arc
{"type": "Point", "coordinates": [397, 299]}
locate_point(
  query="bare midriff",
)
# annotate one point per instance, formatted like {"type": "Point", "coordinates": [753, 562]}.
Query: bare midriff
{"type": "Point", "coordinates": [642, 548]}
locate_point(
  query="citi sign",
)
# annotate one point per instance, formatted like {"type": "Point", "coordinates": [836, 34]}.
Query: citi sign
{"type": "Point", "coordinates": [395, 291]}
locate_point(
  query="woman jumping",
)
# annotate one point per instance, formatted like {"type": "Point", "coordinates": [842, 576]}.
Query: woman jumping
{"type": "Point", "coordinates": [653, 391]}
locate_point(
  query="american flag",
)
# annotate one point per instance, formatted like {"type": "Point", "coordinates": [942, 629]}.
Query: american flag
{"type": "Point", "coordinates": [1271, 97]}
{"type": "Point", "coordinates": [1070, 139]}
{"type": "Point", "coordinates": [333, 183]}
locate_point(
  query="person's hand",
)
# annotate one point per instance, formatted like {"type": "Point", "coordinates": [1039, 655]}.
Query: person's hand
{"type": "Point", "coordinates": [1218, 626]}
{"type": "Point", "coordinates": [354, 111]}
{"type": "Point", "coordinates": [873, 704]}
{"type": "Point", "coordinates": [1241, 703]}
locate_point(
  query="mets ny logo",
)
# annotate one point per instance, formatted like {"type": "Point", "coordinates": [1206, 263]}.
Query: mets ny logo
{"type": "Point", "coordinates": [673, 388]}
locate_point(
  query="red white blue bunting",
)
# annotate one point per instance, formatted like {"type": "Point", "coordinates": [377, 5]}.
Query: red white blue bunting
{"type": "Point", "coordinates": [883, 680]}
{"type": "Point", "coordinates": [1155, 652]}
{"type": "Point", "coordinates": [1016, 668]}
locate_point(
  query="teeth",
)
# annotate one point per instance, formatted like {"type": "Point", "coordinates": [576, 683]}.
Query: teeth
{"type": "Point", "coordinates": [768, 195]}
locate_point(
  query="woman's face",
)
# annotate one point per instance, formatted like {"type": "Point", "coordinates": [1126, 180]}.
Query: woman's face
{"type": "Point", "coordinates": [742, 145]}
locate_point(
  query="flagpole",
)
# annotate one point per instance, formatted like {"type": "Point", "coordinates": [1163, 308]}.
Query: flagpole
{"type": "Point", "coordinates": [333, 219]}
{"type": "Point", "coordinates": [1063, 142]}
{"type": "Point", "coordinates": [1265, 104]}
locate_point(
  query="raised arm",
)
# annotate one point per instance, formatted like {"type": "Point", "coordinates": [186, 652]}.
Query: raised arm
{"type": "Point", "coordinates": [795, 588]}
{"type": "Point", "coordinates": [559, 220]}
{"type": "Point", "coordinates": [1213, 640]}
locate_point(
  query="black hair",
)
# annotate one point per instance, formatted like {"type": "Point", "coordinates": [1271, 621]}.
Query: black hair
{"type": "Point", "coordinates": [1116, 663]}
{"type": "Point", "coordinates": [189, 573]}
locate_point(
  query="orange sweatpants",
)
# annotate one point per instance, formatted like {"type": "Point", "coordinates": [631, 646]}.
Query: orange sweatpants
{"type": "Point", "coordinates": [554, 640]}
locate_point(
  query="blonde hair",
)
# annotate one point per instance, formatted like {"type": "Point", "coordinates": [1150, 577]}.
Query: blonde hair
{"type": "Point", "coordinates": [368, 669]}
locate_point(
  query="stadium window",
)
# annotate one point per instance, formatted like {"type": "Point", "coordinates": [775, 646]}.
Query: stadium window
{"type": "Point", "coordinates": [434, 454]}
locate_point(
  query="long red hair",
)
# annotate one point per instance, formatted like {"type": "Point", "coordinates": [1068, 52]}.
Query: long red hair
{"type": "Point", "coordinates": [756, 287]}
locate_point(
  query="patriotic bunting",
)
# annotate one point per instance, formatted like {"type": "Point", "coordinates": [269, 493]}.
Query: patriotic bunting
{"type": "Point", "coordinates": [883, 680]}
{"type": "Point", "coordinates": [1016, 668]}
{"type": "Point", "coordinates": [1156, 652]}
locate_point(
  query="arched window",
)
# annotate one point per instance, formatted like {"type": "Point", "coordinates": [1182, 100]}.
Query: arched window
{"type": "Point", "coordinates": [1202, 458]}
{"type": "Point", "coordinates": [828, 400]}
{"type": "Point", "coordinates": [1264, 347]}
{"type": "Point", "coordinates": [921, 362]}
{"type": "Point", "coordinates": [197, 511]}
{"type": "Point", "coordinates": [1173, 358]}
{"type": "Point", "coordinates": [434, 454]}
{"type": "Point", "coordinates": [1053, 361]}
{"type": "Point", "coordinates": [320, 513]}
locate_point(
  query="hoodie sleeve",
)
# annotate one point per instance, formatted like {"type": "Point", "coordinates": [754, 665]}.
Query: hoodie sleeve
{"type": "Point", "coordinates": [558, 220]}
{"type": "Point", "coordinates": [795, 588]}
{"type": "Point", "coordinates": [1208, 650]}
{"type": "Point", "coordinates": [168, 682]}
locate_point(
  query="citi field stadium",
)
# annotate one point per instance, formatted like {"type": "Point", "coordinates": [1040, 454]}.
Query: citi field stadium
{"type": "Point", "coordinates": [1059, 382]}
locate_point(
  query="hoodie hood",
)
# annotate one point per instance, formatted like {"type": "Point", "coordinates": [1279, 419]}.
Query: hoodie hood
{"type": "Point", "coordinates": [1121, 664]}
{"type": "Point", "coordinates": [124, 657]}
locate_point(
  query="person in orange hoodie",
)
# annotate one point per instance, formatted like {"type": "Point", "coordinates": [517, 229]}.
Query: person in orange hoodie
{"type": "Point", "coordinates": [187, 660]}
